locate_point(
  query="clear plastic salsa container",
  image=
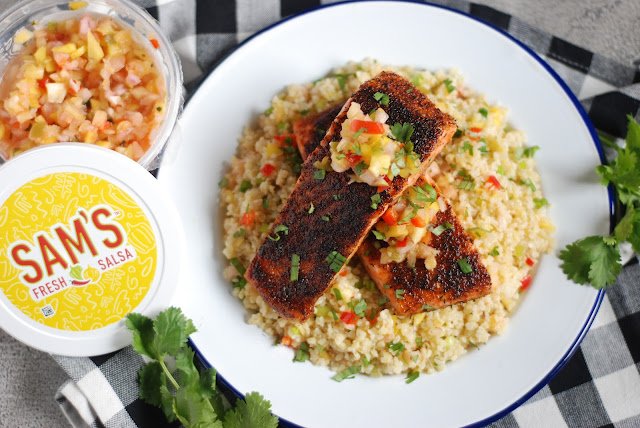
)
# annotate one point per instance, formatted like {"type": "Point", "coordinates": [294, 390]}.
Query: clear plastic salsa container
{"type": "Point", "coordinates": [31, 14]}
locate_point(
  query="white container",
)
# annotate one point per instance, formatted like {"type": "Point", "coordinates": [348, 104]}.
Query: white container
{"type": "Point", "coordinates": [86, 237]}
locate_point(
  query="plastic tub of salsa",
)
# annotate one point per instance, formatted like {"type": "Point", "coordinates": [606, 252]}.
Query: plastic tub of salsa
{"type": "Point", "coordinates": [99, 72]}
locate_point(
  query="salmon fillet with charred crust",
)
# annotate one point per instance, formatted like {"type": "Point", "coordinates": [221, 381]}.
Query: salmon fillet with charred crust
{"type": "Point", "coordinates": [328, 213]}
{"type": "Point", "coordinates": [415, 289]}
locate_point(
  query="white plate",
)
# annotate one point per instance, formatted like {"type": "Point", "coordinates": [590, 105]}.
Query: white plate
{"type": "Point", "coordinates": [553, 316]}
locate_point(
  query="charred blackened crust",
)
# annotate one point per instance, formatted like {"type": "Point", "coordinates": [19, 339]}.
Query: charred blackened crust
{"type": "Point", "coordinates": [342, 214]}
{"type": "Point", "coordinates": [415, 289]}
{"type": "Point", "coordinates": [310, 131]}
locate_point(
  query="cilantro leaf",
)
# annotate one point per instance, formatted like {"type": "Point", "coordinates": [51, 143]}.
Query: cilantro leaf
{"type": "Point", "coordinates": [172, 329]}
{"type": "Point", "coordinates": [151, 378]}
{"type": "Point", "coordinates": [633, 134]}
{"type": "Point", "coordinates": [629, 229]}
{"type": "Point", "coordinates": [402, 132]}
{"type": "Point", "coordinates": [591, 260]}
{"type": "Point", "coordinates": [142, 330]}
{"type": "Point", "coordinates": [253, 411]}
{"type": "Point", "coordinates": [382, 98]}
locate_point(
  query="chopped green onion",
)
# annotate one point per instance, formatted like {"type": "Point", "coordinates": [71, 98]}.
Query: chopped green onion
{"type": "Point", "coordinates": [365, 361]}
{"type": "Point", "coordinates": [360, 167]}
{"type": "Point", "coordinates": [240, 233]}
{"type": "Point", "coordinates": [268, 111]}
{"type": "Point", "coordinates": [467, 147]}
{"type": "Point", "coordinates": [540, 202]}
{"type": "Point", "coordinates": [319, 174]}
{"type": "Point", "coordinates": [245, 185]}
{"type": "Point", "coordinates": [239, 282]}
{"type": "Point", "coordinates": [265, 203]}
{"type": "Point", "coordinates": [279, 228]}
{"type": "Point", "coordinates": [411, 376]}
{"type": "Point", "coordinates": [527, 182]}
{"type": "Point", "coordinates": [311, 209]}
{"type": "Point", "coordinates": [483, 111]}
{"type": "Point", "coordinates": [236, 263]}
{"type": "Point", "coordinates": [358, 133]}
{"type": "Point", "coordinates": [295, 267]}
{"type": "Point", "coordinates": [223, 183]}
{"type": "Point", "coordinates": [449, 84]}
{"type": "Point", "coordinates": [348, 373]}
{"type": "Point", "coordinates": [399, 294]}
{"type": "Point", "coordinates": [426, 307]}
{"type": "Point", "coordinates": [375, 200]}
{"type": "Point", "coordinates": [325, 218]}
{"type": "Point", "coordinates": [465, 267]}
{"type": "Point", "coordinates": [360, 307]}
{"type": "Point", "coordinates": [337, 293]}
{"type": "Point", "coordinates": [529, 152]}
{"type": "Point", "coordinates": [336, 197]}
{"type": "Point", "coordinates": [382, 98]}
{"type": "Point", "coordinates": [438, 230]}
{"type": "Point", "coordinates": [396, 347]}
{"type": "Point", "coordinates": [335, 261]}
{"type": "Point", "coordinates": [495, 251]}
{"type": "Point", "coordinates": [302, 353]}
{"type": "Point", "coordinates": [500, 170]}
{"type": "Point", "coordinates": [379, 235]}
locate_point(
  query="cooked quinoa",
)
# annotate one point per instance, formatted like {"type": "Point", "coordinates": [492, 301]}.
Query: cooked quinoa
{"type": "Point", "coordinates": [508, 221]}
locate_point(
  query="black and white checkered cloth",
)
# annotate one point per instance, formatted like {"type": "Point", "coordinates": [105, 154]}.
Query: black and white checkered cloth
{"type": "Point", "coordinates": [600, 385]}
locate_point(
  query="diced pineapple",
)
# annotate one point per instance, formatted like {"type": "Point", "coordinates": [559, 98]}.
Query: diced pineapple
{"type": "Point", "coordinates": [68, 48]}
{"type": "Point", "coordinates": [273, 150]}
{"type": "Point", "coordinates": [40, 55]}
{"type": "Point", "coordinates": [22, 36]}
{"type": "Point", "coordinates": [78, 52]}
{"type": "Point", "coordinates": [380, 164]}
{"type": "Point", "coordinates": [49, 65]}
{"type": "Point", "coordinates": [1, 131]}
{"type": "Point", "coordinates": [32, 71]}
{"type": "Point", "coordinates": [417, 233]}
{"type": "Point", "coordinates": [36, 133]}
{"type": "Point", "coordinates": [397, 231]}
{"type": "Point", "coordinates": [94, 51]}
{"type": "Point", "coordinates": [56, 92]}
{"type": "Point", "coordinates": [75, 5]}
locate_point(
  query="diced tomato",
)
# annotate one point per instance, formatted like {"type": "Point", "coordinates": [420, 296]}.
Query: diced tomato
{"type": "Point", "coordinates": [267, 169]}
{"type": "Point", "coordinates": [369, 127]}
{"type": "Point", "coordinates": [353, 159]}
{"type": "Point", "coordinates": [248, 219]}
{"type": "Point", "coordinates": [494, 181]}
{"type": "Point", "coordinates": [344, 272]}
{"type": "Point", "coordinates": [381, 188]}
{"type": "Point", "coordinates": [286, 341]}
{"type": "Point", "coordinates": [43, 82]}
{"type": "Point", "coordinates": [390, 216]}
{"type": "Point", "coordinates": [530, 262]}
{"type": "Point", "coordinates": [155, 43]}
{"type": "Point", "coordinates": [402, 243]}
{"type": "Point", "coordinates": [525, 283]}
{"type": "Point", "coordinates": [475, 130]}
{"type": "Point", "coordinates": [348, 317]}
{"type": "Point", "coordinates": [285, 139]}
{"type": "Point", "coordinates": [388, 180]}
{"type": "Point", "coordinates": [418, 222]}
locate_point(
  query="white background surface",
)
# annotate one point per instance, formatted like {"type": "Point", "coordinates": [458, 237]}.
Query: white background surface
{"type": "Point", "coordinates": [28, 378]}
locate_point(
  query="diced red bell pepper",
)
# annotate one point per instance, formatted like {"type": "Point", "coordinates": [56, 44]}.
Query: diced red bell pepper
{"type": "Point", "coordinates": [285, 139]}
{"type": "Point", "coordinates": [348, 317]}
{"type": "Point", "coordinates": [248, 219]}
{"type": "Point", "coordinates": [353, 159]}
{"type": "Point", "coordinates": [267, 169]}
{"type": "Point", "coordinates": [530, 262]}
{"type": "Point", "coordinates": [418, 222]}
{"type": "Point", "coordinates": [286, 341]}
{"type": "Point", "coordinates": [155, 43]}
{"type": "Point", "coordinates": [390, 217]}
{"type": "Point", "coordinates": [525, 283]}
{"type": "Point", "coordinates": [403, 242]}
{"type": "Point", "coordinates": [494, 181]}
{"type": "Point", "coordinates": [369, 127]}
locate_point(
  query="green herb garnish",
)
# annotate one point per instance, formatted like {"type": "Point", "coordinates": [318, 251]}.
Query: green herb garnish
{"type": "Point", "coordinates": [295, 267]}
{"type": "Point", "coordinates": [379, 235]}
{"type": "Point", "coordinates": [172, 382]}
{"type": "Point", "coordinates": [311, 209]}
{"type": "Point", "coordinates": [348, 373]}
{"type": "Point", "coordinates": [399, 294]}
{"type": "Point", "coordinates": [279, 228]}
{"type": "Point", "coordinates": [245, 185]}
{"type": "Point", "coordinates": [449, 85]}
{"type": "Point", "coordinates": [382, 98]}
{"type": "Point", "coordinates": [337, 293]}
{"type": "Point", "coordinates": [375, 200]}
{"type": "Point", "coordinates": [484, 112]}
{"type": "Point", "coordinates": [302, 353]}
{"type": "Point", "coordinates": [439, 229]}
{"type": "Point", "coordinates": [495, 251]}
{"type": "Point", "coordinates": [458, 133]}
{"type": "Point", "coordinates": [540, 202]}
{"type": "Point", "coordinates": [411, 376]}
{"type": "Point", "coordinates": [396, 347]}
{"type": "Point", "coordinates": [240, 233]}
{"type": "Point", "coordinates": [335, 261]}
{"type": "Point", "coordinates": [467, 147]}
{"type": "Point", "coordinates": [325, 218]}
{"type": "Point", "coordinates": [402, 132]}
{"type": "Point", "coordinates": [464, 265]}
{"type": "Point", "coordinates": [360, 307]}
{"type": "Point", "coordinates": [319, 174]}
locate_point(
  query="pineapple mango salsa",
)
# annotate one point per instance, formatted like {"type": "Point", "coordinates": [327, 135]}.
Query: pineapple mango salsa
{"type": "Point", "coordinates": [85, 79]}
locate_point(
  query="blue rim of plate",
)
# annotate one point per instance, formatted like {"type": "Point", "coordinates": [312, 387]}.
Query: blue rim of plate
{"type": "Point", "coordinates": [585, 118]}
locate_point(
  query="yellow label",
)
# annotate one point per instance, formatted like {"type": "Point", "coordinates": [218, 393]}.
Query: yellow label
{"type": "Point", "coordinates": [76, 251]}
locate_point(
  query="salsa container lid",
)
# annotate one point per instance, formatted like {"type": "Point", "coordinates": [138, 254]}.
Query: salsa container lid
{"type": "Point", "coordinates": [86, 237]}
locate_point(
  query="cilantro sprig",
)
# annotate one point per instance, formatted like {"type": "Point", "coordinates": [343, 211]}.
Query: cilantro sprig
{"type": "Point", "coordinates": [595, 260]}
{"type": "Point", "coordinates": [172, 382]}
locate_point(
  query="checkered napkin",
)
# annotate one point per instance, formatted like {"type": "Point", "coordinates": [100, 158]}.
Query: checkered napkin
{"type": "Point", "coordinates": [600, 385]}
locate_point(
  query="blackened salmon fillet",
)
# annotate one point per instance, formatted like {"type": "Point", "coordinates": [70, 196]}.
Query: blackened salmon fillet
{"type": "Point", "coordinates": [327, 216]}
{"type": "Point", "coordinates": [415, 289]}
